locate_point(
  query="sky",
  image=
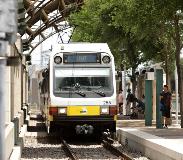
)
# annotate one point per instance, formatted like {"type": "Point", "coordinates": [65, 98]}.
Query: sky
{"type": "Point", "coordinates": [47, 44]}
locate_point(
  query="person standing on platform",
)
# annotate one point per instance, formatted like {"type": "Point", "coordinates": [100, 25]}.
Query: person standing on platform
{"type": "Point", "coordinates": [120, 102]}
{"type": "Point", "coordinates": [129, 100]}
{"type": "Point", "coordinates": [165, 105]}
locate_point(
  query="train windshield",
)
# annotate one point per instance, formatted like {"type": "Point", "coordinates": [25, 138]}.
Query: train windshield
{"type": "Point", "coordinates": [89, 81]}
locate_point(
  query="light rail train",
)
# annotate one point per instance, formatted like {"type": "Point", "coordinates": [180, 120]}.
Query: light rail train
{"type": "Point", "coordinates": [78, 89]}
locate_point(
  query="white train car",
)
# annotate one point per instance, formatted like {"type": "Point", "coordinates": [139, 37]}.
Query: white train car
{"type": "Point", "coordinates": [79, 89]}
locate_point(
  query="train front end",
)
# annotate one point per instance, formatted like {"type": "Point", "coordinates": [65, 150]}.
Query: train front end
{"type": "Point", "coordinates": [82, 89]}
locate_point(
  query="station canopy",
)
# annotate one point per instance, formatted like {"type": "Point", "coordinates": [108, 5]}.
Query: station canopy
{"type": "Point", "coordinates": [44, 18]}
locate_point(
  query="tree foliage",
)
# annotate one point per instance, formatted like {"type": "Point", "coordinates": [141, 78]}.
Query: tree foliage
{"type": "Point", "coordinates": [96, 22]}
{"type": "Point", "coordinates": [146, 29]}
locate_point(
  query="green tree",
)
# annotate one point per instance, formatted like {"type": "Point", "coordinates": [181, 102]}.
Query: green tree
{"type": "Point", "coordinates": [161, 20]}
{"type": "Point", "coordinates": [147, 29]}
{"type": "Point", "coordinates": [167, 22]}
{"type": "Point", "coordinates": [96, 23]}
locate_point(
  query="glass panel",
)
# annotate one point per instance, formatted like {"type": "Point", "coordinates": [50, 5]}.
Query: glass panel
{"type": "Point", "coordinates": [82, 72]}
{"type": "Point", "coordinates": [86, 79]}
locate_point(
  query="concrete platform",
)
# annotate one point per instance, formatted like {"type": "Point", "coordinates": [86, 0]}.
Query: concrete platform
{"type": "Point", "coordinates": [157, 144]}
{"type": "Point", "coordinates": [17, 149]}
{"type": "Point", "coordinates": [9, 139]}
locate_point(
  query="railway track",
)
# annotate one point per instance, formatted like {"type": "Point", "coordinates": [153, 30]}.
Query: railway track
{"type": "Point", "coordinates": [40, 146]}
{"type": "Point", "coordinates": [68, 150]}
{"type": "Point", "coordinates": [108, 144]}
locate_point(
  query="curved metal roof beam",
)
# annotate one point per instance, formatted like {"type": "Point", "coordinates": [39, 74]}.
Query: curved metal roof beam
{"type": "Point", "coordinates": [36, 13]}
{"type": "Point", "coordinates": [40, 10]}
{"type": "Point", "coordinates": [48, 22]}
{"type": "Point", "coordinates": [52, 5]}
{"type": "Point", "coordinates": [51, 34]}
{"type": "Point", "coordinates": [44, 26]}
{"type": "Point", "coordinates": [42, 14]}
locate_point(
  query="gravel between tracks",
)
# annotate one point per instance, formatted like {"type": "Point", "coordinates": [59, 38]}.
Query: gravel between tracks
{"type": "Point", "coordinates": [50, 149]}
{"type": "Point", "coordinates": [39, 147]}
{"type": "Point", "coordinates": [92, 151]}
{"type": "Point", "coordinates": [128, 151]}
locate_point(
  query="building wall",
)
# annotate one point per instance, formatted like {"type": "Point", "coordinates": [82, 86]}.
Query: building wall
{"type": "Point", "coordinates": [34, 97]}
{"type": "Point", "coordinates": [8, 91]}
{"type": "Point", "coordinates": [15, 91]}
{"type": "Point", "coordinates": [24, 81]}
{"type": "Point", "coordinates": [13, 87]}
{"type": "Point", "coordinates": [34, 92]}
{"type": "Point", "coordinates": [16, 73]}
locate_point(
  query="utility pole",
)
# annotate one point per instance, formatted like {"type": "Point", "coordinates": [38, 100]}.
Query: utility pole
{"type": "Point", "coordinates": [176, 94]}
{"type": "Point", "coordinates": [124, 89]}
{"type": "Point", "coordinates": [8, 30]}
{"type": "Point", "coordinates": [123, 80]}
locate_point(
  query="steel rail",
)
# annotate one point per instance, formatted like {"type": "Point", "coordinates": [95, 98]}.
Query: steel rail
{"type": "Point", "coordinates": [108, 145]}
{"type": "Point", "coordinates": [68, 150]}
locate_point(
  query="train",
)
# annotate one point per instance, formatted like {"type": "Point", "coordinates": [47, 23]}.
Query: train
{"type": "Point", "coordinates": [78, 89]}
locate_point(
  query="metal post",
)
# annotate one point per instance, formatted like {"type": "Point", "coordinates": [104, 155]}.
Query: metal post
{"type": "Point", "coordinates": [176, 94]}
{"type": "Point", "coordinates": [124, 82]}
{"type": "Point", "coordinates": [124, 90]}
{"type": "Point", "coordinates": [159, 88]}
{"type": "Point", "coordinates": [148, 102]}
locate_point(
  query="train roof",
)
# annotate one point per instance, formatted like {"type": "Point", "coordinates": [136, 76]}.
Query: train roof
{"type": "Point", "coordinates": [82, 47]}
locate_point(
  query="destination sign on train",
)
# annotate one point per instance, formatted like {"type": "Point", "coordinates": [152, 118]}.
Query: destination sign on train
{"type": "Point", "coordinates": [81, 58]}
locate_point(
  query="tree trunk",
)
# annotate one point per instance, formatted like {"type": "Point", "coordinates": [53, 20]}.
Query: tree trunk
{"type": "Point", "coordinates": [166, 65]}
{"type": "Point", "coordinates": [177, 54]}
{"type": "Point", "coordinates": [134, 83]}
{"type": "Point", "coordinates": [140, 86]}
{"type": "Point", "coordinates": [169, 61]}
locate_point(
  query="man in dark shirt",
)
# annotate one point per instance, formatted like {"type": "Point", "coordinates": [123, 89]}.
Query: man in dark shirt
{"type": "Point", "coordinates": [165, 100]}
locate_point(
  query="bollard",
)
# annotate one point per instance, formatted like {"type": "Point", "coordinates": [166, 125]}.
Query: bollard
{"type": "Point", "coordinates": [159, 88]}
{"type": "Point", "coordinates": [148, 102]}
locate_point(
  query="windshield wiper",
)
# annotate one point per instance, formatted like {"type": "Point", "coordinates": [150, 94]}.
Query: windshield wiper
{"type": "Point", "coordinates": [80, 93]}
{"type": "Point", "coordinates": [90, 88]}
{"type": "Point", "coordinates": [72, 89]}
{"type": "Point", "coordinates": [77, 89]}
{"type": "Point", "coordinates": [100, 93]}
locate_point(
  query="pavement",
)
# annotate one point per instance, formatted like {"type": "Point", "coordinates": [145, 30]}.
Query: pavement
{"type": "Point", "coordinates": [157, 144]}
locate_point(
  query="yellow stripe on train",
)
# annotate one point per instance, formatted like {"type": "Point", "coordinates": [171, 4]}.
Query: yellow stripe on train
{"type": "Point", "coordinates": [83, 110]}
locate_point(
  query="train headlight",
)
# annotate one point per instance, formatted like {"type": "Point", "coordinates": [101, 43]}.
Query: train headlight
{"type": "Point", "coordinates": [106, 59]}
{"type": "Point", "coordinates": [58, 60]}
{"type": "Point", "coordinates": [104, 110]}
{"type": "Point", "coordinates": [62, 111]}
